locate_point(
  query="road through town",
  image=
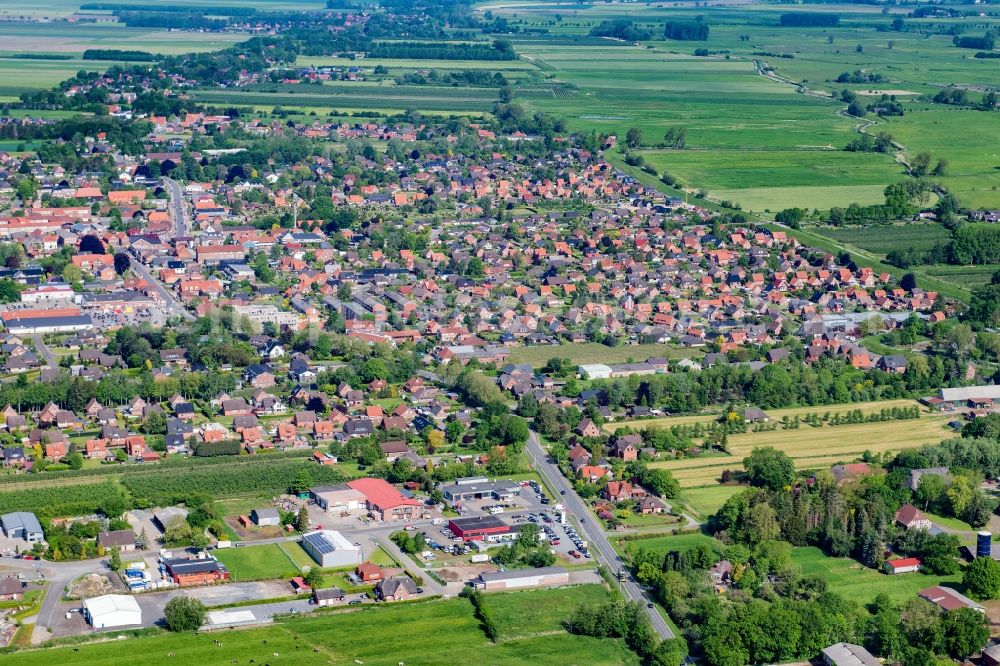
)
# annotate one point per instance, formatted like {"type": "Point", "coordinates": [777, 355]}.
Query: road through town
{"type": "Point", "coordinates": [599, 545]}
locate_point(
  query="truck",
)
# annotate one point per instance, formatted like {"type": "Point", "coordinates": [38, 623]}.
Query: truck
{"type": "Point", "coordinates": [479, 558]}
{"type": "Point", "coordinates": [438, 521]}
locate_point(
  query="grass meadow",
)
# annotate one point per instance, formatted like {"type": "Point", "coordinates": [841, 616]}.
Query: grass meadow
{"type": "Point", "coordinates": [261, 562]}
{"type": "Point", "coordinates": [425, 634]}
{"type": "Point", "coordinates": [594, 352]}
{"type": "Point", "coordinates": [853, 581]}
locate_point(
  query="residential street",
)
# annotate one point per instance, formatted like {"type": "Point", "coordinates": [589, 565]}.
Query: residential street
{"type": "Point", "coordinates": [599, 544]}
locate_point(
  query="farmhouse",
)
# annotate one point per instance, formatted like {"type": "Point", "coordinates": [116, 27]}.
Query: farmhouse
{"type": "Point", "coordinates": [396, 588]}
{"type": "Point", "coordinates": [480, 528]}
{"type": "Point", "coordinates": [383, 501]}
{"type": "Point", "coordinates": [512, 580]}
{"type": "Point", "coordinates": [186, 572]}
{"type": "Point", "coordinates": [112, 610]}
{"type": "Point", "coordinates": [909, 517]}
{"type": "Point", "coordinates": [331, 549]}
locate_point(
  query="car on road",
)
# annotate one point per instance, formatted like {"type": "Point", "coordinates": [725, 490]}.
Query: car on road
{"type": "Point", "coordinates": [354, 602]}
{"type": "Point", "coordinates": [649, 605]}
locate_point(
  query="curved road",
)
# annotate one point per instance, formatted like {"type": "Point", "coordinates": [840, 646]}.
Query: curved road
{"type": "Point", "coordinates": [594, 534]}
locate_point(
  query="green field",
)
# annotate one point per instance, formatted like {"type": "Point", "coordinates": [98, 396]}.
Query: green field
{"type": "Point", "coordinates": [854, 581]}
{"type": "Point", "coordinates": [809, 447]}
{"type": "Point", "coordinates": [429, 633]}
{"type": "Point", "coordinates": [592, 352]}
{"type": "Point", "coordinates": [761, 180]}
{"type": "Point", "coordinates": [680, 542]}
{"type": "Point", "coordinates": [882, 239]}
{"type": "Point", "coordinates": [261, 562]}
{"type": "Point", "coordinates": [706, 500]}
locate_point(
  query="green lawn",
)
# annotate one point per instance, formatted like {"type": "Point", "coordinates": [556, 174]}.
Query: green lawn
{"type": "Point", "coordinates": [853, 581]}
{"type": "Point", "coordinates": [592, 352]}
{"type": "Point", "coordinates": [258, 562]}
{"type": "Point", "coordinates": [420, 634]}
{"type": "Point", "coordinates": [533, 612]}
{"type": "Point", "coordinates": [665, 544]}
{"type": "Point", "coordinates": [706, 500]}
{"type": "Point", "coordinates": [382, 558]}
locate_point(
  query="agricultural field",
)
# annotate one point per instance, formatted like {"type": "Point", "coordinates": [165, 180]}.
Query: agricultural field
{"type": "Point", "coordinates": [592, 352]}
{"type": "Point", "coordinates": [536, 612]}
{"type": "Point", "coordinates": [809, 447]}
{"type": "Point", "coordinates": [882, 239]}
{"type": "Point", "coordinates": [731, 100]}
{"type": "Point", "coordinates": [435, 632]}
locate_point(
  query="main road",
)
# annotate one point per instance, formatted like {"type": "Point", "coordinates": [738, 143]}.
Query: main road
{"type": "Point", "coordinates": [178, 216]}
{"type": "Point", "coordinates": [598, 542]}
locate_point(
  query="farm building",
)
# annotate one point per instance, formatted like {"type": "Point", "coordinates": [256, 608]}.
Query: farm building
{"type": "Point", "coordinates": [594, 371]}
{"type": "Point", "coordinates": [331, 549]}
{"type": "Point", "coordinates": [949, 599]}
{"type": "Point", "coordinates": [970, 396]}
{"type": "Point", "coordinates": [328, 596]}
{"type": "Point", "coordinates": [265, 517]}
{"type": "Point", "coordinates": [917, 474]}
{"type": "Point", "coordinates": [847, 654]}
{"type": "Point", "coordinates": [512, 580]}
{"type": "Point", "coordinates": [165, 517]}
{"type": "Point", "coordinates": [22, 525]}
{"type": "Point", "coordinates": [195, 572]}
{"type": "Point", "coordinates": [338, 498]}
{"type": "Point", "coordinates": [112, 610]}
{"type": "Point", "coordinates": [480, 528]}
{"type": "Point", "coordinates": [902, 566]}
{"type": "Point", "coordinates": [465, 490]}
{"type": "Point", "coordinates": [383, 501]}
{"type": "Point", "coordinates": [991, 655]}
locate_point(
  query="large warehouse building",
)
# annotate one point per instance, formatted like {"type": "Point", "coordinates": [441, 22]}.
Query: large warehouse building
{"type": "Point", "coordinates": [512, 580]}
{"type": "Point", "coordinates": [112, 610]}
{"type": "Point", "coordinates": [331, 549]}
{"type": "Point", "coordinates": [481, 528]}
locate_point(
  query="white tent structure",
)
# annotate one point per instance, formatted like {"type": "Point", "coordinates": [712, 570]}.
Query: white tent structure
{"type": "Point", "coordinates": [112, 610]}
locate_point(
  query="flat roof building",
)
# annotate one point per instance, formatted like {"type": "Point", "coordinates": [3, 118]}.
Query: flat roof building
{"type": "Point", "coordinates": [112, 610]}
{"type": "Point", "coordinates": [331, 549]}
{"type": "Point", "coordinates": [511, 580]}
{"type": "Point", "coordinates": [480, 528]}
{"type": "Point", "coordinates": [22, 525]}
{"type": "Point", "coordinates": [339, 498]}
{"type": "Point", "coordinates": [464, 492]}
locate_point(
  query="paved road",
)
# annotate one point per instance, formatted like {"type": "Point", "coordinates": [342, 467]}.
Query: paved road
{"type": "Point", "coordinates": [46, 353]}
{"type": "Point", "coordinates": [599, 545]}
{"type": "Point", "coordinates": [177, 212]}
